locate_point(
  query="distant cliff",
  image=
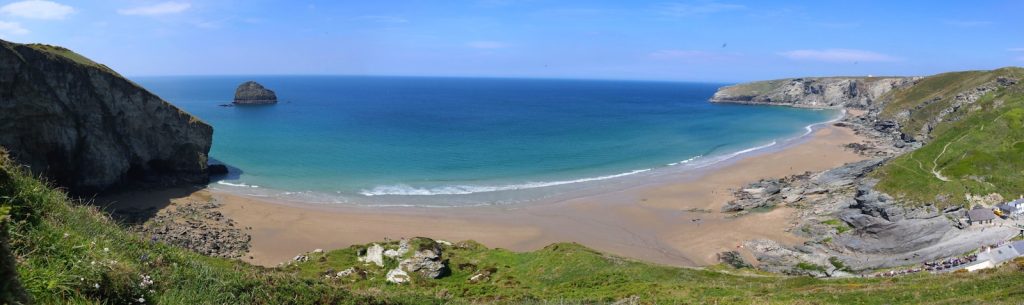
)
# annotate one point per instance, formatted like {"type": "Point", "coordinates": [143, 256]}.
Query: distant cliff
{"type": "Point", "coordinates": [813, 92]}
{"type": "Point", "coordinates": [85, 127]}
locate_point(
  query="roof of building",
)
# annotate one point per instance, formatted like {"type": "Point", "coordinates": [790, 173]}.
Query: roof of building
{"type": "Point", "coordinates": [999, 254]}
{"type": "Point", "coordinates": [1018, 245]}
{"type": "Point", "coordinates": [1017, 203]}
{"type": "Point", "coordinates": [1009, 207]}
{"type": "Point", "coordinates": [981, 215]}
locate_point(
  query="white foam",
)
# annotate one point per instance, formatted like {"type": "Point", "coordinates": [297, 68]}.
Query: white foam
{"type": "Point", "coordinates": [237, 184]}
{"type": "Point", "coordinates": [755, 148]}
{"type": "Point", "coordinates": [690, 159]}
{"type": "Point", "coordinates": [406, 190]}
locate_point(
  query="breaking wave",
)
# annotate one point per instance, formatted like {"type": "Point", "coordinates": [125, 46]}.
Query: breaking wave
{"type": "Point", "coordinates": [406, 190]}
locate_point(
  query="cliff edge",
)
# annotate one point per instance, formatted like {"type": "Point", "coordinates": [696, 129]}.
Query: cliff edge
{"type": "Point", "coordinates": [813, 92]}
{"type": "Point", "coordinates": [86, 128]}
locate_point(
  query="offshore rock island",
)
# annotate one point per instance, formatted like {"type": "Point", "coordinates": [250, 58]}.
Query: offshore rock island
{"type": "Point", "coordinates": [252, 93]}
{"type": "Point", "coordinates": [910, 181]}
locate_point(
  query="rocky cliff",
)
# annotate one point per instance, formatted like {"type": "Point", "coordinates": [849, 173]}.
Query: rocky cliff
{"type": "Point", "coordinates": [252, 93]}
{"type": "Point", "coordinates": [88, 129]}
{"type": "Point", "coordinates": [813, 92]}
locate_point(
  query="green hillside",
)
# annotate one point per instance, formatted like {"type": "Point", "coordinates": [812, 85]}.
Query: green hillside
{"type": "Point", "coordinates": [70, 55]}
{"type": "Point", "coordinates": [979, 150]}
{"type": "Point", "coordinates": [68, 253]}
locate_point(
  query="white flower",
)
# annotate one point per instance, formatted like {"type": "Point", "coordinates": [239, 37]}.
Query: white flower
{"type": "Point", "coordinates": [142, 300]}
{"type": "Point", "coordinates": [66, 235]}
{"type": "Point", "coordinates": [146, 281]}
{"type": "Point", "coordinates": [106, 249]}
{"type": "Point", "coordinates": [97, 285]}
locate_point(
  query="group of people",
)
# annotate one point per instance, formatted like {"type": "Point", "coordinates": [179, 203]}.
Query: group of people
{"type": "Point", "coordinates": [950, 263]}
{"type": "Point", "coordinates": [936, 266]}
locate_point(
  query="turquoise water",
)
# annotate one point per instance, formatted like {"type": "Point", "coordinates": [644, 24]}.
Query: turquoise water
{"type": "Point", "coordinates": [394, 140]}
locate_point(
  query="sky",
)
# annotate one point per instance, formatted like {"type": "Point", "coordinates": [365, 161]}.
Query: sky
{"type": "Point", "coordinates": [700, 40]}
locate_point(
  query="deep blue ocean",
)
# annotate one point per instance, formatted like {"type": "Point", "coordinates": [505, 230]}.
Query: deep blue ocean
{"type": "Point", "coordinates": [458, 141]}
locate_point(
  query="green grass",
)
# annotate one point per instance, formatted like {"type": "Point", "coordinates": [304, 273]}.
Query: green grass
{"type": "Point", "coordinates": [569, 271]}
{"type": "Point", "coordinates": [64, 251]}
{"type": "Point", "coordinates": [980, 153]}
{"type": "Point", "coordinates": [837, 224]}
{"type": "Point", "coordinates": [70, 253]}
{"type": "Point", "coordinates": [71, 55]}
{"type": "Point", "coordinates": [934, 93]}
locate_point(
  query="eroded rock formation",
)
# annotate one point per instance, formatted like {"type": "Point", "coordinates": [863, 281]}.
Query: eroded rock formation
{"type": "Point", "coordinates": [252, 93]}
{"type": "Point", "coordinates": [813, 92]}
{"type": "Point", "coordinates": [86, 128]}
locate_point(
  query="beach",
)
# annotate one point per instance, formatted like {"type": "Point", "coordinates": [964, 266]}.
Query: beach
{"type": "Point", "coordinates": [673, 222]}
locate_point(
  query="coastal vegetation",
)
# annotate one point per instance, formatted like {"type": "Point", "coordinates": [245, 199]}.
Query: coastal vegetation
{"type": "Point", "coordinates": [975, 150]}
{"type": "Point", "coordinates": [71, 55]}
{"type": "Point", "coordinates": [71, 253]}
{"type": "Point", "coordinates": [55, 249]}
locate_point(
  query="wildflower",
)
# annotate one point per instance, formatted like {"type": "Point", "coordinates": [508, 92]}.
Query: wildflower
{"type": "Point", "coordinates": [146, 281]}
{"type": "Point", "coordinates": [142, 300]}
{"type": "Point", "coordinates": [66, 235]}
{"type": "Point", "coordinates": [96, 285]}
{"type": "Point", "coordinates": [106, 249]}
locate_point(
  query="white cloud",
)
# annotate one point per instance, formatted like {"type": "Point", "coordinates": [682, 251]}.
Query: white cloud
{"type": "Point", "coordinates": [162, 8]}
{"type": "Point", "coordinates": [37, 9]}
{"type": "Point", "coordinates": [678, 9]}
{"type": "Point", "coordinates": [487, 45]}
{"type": "Point", "coordinates": [838, 55]}
{"type": "Point", "coordinates": [685, 55]}
{"type": "Point", "coordinates": [381, 19]}
{"type": "Point", "coordinates": [11, 28]}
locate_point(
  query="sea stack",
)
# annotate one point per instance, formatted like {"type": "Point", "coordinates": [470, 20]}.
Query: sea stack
{"type": "Point", "coordinates": [252, 93]}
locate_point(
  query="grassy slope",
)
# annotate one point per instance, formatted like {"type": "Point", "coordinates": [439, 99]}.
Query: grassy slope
{"type": "Point", "coordinates": [65, 251]}
{"type": "Point", "coordinates": [981, 152]}
{"type": "Point", "coordinates": [572, 272]}
{"type": "Point", "coordinates": [59, 268]}
{"type": "Point", "coordinates": [66, 53]}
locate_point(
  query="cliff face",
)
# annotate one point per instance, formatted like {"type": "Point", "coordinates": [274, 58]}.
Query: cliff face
{"type": "Point", "coordinates": [86, 128]}
{"type": "Point", "coordinates": [252, 93]}
{"type": "Point", "coordinates": [813, 92]}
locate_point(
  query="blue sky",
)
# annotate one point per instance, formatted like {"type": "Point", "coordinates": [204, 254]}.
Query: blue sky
{"type": "Point", "coordinates": [699, 40]}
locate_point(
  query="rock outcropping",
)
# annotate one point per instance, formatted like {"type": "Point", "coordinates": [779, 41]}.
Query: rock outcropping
{"type": "Point", "coordinates": [252, 93]}
{"type": "Point", "coordinates": [86, 128]}
{"type": "Point", "coordinates": [813, 92]}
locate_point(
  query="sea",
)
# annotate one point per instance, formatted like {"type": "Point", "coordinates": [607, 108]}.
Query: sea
{"type": "Point", "coordinates": [449, 142]}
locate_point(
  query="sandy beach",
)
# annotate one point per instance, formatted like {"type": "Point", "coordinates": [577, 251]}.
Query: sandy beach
{"type": "Point", "coordinates": [674, 222]}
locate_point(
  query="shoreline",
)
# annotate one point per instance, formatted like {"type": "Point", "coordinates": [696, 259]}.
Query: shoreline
{"type": "Point", "coordinates": [452, 196]}
{"type": "Point", "coordinates": [674, 222]}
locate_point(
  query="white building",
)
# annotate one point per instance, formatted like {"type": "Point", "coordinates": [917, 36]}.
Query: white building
{"type": "Point", "coordinates": [1012, 208]}
{"type": "Point", "coordinates": [992, 257]}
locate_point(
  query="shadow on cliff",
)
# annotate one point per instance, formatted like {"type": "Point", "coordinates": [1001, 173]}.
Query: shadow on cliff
{"type": "Point", "coordinates": [137, 205]}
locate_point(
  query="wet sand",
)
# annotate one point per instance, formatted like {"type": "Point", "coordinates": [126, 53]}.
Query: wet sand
{"type": "Point", "coordinates": [673, 222]}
